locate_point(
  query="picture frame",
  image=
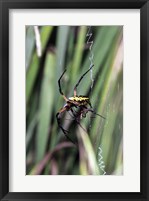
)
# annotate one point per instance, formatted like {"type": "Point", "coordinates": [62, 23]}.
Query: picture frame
{"type": "Point", "coordinates": [4, 99]}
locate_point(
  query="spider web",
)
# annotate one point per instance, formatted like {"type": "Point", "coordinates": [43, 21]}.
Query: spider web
{"type": "Point", "coordinates": [91, 59]}
{"type": "Point", "coordinates": [91, 54]}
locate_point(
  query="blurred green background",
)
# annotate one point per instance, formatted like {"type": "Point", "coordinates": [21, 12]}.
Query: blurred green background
{"type": "Point", "coordinates": [100, 147]}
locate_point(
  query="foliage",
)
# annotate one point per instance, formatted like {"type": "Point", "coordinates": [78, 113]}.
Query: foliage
{"type": "Point", "coordinates": [47, 149]}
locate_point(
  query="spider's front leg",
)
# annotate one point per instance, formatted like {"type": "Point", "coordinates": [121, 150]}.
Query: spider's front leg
{"type": "Point", "coordinates": [75, 88]}
{"type": "Point", "coordinates": [60, 89]}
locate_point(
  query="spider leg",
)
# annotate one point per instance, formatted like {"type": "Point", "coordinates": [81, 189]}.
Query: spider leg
{"type": "Point", "coordinates": [76, 115]}
{"type": "Point", "coordinates": [77, 119]}
{"type": "Point", "coordinates": [75, 88]}
{"type": "Point", "coordinates": [60, 126]}
{"type": "Point", "coordinates": [91, 110]}
{"type": "Point", "coordinates": [73, 112]}
{"type": "Point", "coordinates": [60, 89]}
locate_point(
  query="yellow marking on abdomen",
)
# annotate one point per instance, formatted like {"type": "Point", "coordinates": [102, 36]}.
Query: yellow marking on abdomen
{"type": "Point", "coordinates": [78, 98]}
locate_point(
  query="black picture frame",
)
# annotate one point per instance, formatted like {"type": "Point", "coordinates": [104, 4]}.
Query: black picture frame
{"type": "Point", "coordinates": [5, 5]}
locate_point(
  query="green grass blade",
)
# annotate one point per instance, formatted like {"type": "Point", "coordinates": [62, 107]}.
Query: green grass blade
{"type": "Point", "coordinates": [31, 76]}
{"type": "Point", "coordinates": [29, 44]}
{"type": "Point", "coordinates": [46, 102]}
{"type": "Point", "coordinates": [45, 34]}
{"type": "Point", "coordinates": [78, 52]}
{"type": "Point", "coordinates": [35, 63]}
{"type": "Point", "coordinates": [88, 161]}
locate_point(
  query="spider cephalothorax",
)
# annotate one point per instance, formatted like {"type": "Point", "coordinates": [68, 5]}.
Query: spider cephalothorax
{"type": "Point", "coordinates": [80, 102]}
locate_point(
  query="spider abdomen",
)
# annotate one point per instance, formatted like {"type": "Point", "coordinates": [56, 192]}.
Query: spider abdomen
{"type": "Point", "coordinates": [81, 100]}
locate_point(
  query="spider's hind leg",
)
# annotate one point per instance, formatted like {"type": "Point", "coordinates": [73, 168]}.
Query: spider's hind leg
{"type": "Point", "coordinates": [60, 126]}
{"type": "Point", "coordinates": [91, 110]}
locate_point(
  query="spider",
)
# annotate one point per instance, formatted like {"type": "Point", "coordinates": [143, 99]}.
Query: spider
{"type": "Point", "coordinates": [80, 102]}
